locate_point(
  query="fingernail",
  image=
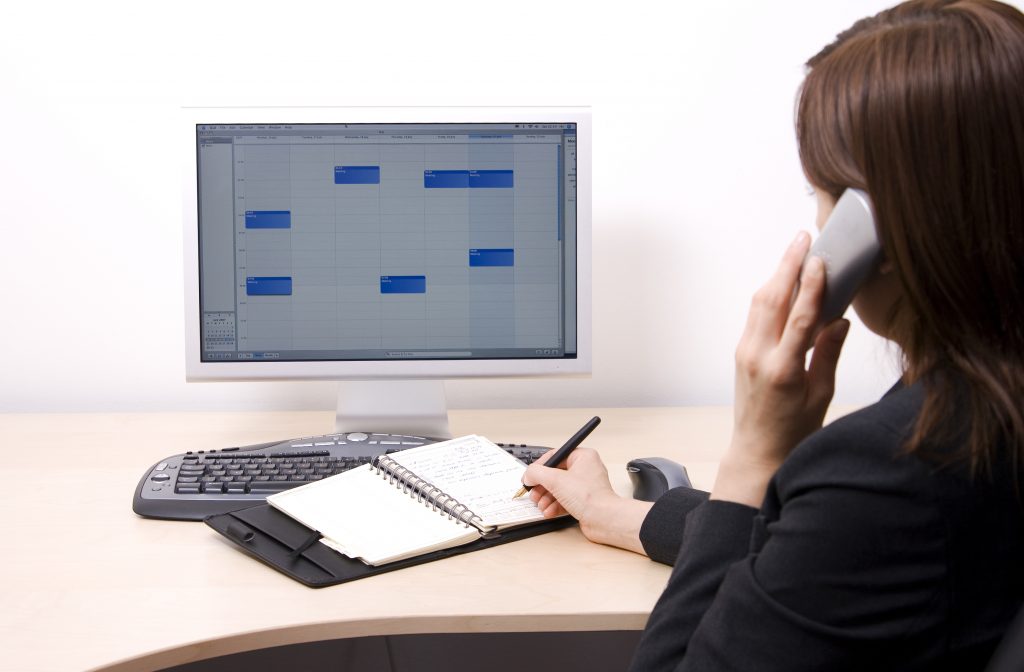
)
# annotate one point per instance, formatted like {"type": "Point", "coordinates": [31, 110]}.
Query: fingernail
{"type": "Point", "coordinates": [800, 236]}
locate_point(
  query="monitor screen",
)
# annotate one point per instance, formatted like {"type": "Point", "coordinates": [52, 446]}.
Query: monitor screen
{"type": "Point", "coordinates": [338, 242]}
{"type": "Point", "coordinates": [388, 248]}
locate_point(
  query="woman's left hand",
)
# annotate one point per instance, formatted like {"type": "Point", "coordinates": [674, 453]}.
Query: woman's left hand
{"type": "Point", "coordinates": [779, 400]}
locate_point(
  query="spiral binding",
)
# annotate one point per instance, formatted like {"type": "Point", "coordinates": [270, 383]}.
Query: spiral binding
{"type": "Point", "coordinates": [424, 492]}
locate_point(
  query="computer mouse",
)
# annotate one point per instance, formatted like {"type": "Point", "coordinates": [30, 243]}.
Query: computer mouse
{"type": "Point", "coordinates": [653, 476]}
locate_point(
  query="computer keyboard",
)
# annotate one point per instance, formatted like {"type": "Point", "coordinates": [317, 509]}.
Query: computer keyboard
{"type": "Point", "coordinates": [197, 484]}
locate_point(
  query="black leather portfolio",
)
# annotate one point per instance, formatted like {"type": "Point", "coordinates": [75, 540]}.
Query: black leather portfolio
{"type": "Point", "coordinates": [293, 549]}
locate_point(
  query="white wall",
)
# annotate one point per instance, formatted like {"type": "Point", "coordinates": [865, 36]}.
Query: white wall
{"type": "Point", "coordinates": [697, 187]}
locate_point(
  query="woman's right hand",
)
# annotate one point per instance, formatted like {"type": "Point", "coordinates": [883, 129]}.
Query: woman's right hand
{"type": "Point", "coordinates": [583, 490]}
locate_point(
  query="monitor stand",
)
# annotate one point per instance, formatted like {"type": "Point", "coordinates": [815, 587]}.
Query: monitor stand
{"type": "Point", "coordinates": [414, 407]}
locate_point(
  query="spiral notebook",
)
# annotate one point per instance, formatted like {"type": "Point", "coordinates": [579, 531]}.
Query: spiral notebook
{"type": "Point", "coordinates": [415, 501]}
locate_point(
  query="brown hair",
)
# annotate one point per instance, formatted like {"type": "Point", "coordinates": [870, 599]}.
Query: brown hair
{"type": "Point", "coordinates": [922, 106]}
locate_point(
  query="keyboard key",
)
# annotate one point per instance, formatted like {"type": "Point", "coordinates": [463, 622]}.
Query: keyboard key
{"type": "Point", "coordinates": [301, 453]}
{"type": "Point", "coordinates": [270, 487]}
{"type": "Point", "coordinates": [187, 489]}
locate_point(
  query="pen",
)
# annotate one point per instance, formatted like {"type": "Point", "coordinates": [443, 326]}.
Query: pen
{"type": "Point", "coordinates": [562, 453]}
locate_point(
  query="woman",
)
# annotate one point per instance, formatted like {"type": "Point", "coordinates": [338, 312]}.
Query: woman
{"type": "Point", "coordinates": [894, 537]}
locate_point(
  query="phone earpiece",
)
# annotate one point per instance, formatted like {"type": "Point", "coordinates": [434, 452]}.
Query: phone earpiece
{"type": "Point", "coordinates": [848, 245]}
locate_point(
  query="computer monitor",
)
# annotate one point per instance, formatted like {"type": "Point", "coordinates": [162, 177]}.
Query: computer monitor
{"type": "Point", "coordinates": [387, 248]}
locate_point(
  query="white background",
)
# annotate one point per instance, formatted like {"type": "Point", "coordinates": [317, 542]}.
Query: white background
{"type": "Point", "coordinates": [697, 186]}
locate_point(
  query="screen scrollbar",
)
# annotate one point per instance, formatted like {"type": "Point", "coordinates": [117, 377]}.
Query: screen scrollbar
{"type": "Point", "coordinates": [436, 353]}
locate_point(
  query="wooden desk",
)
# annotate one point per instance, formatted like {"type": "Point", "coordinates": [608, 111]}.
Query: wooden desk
{"type": "Point", "coordinates": [87, 584]}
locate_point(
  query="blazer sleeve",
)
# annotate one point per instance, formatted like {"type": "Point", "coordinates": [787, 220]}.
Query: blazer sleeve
{"type": "Point", "coordinates": [662, 531]}
{"type": "Point", "coordinates": [716, 534]}
{"type": "Point", "coordinates": [853, 559]}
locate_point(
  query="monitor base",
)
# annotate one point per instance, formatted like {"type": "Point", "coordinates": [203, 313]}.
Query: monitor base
{"type": "Point", "coordinates": [414, 407]}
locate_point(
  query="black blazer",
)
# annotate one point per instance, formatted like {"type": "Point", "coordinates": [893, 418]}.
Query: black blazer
{"type": "Point", "coordinates": [861, 558]}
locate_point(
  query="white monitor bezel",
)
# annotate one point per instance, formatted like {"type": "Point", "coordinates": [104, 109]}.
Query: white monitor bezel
{"type": "Point", "coordinates": [197, 370]}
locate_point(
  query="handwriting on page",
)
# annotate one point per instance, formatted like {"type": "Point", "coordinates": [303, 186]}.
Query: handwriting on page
{"type": "Point", "coordinates": [476, 472]}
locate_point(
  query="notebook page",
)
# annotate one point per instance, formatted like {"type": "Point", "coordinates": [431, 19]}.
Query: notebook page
{"type": "Point", "coordinates": [477, 473]}
{"type": "Point", "coordinates": [364, 516]}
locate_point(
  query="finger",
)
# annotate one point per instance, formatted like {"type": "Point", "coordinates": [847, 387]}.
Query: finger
{"type": "Point", "coordinates": [534, 474]}
{"type": "Point", "coordinates": [538, 475]}
{"type": "Point", "coordinates": [545, 501]}
{"type": "Point", "coordinates": [770, 306]}
{"type": "Point", "coordinates": [821, 373]}
{"type": "Point", "coordinates": [799, 332]}
{"type": "Point", "coordinates": [553, 511]}
{"type": "Point", "coordinates": [580, 454]}
{"type": "Point", "coordinates": [537, 492]}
